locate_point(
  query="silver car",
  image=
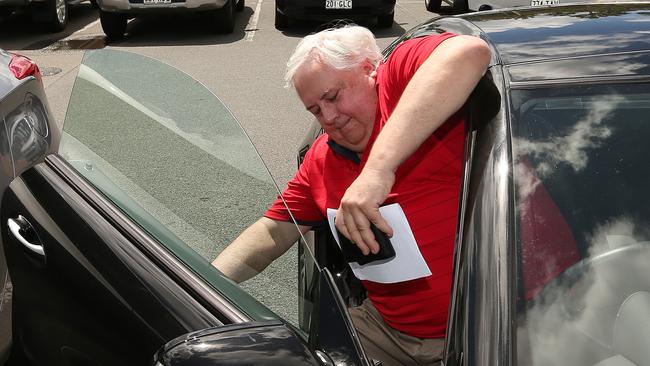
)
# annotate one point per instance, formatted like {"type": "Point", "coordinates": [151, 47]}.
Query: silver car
{"type": "Point", "coordinates": [27, 137]}
{"type": "Point", "coordinates": [114, 14]}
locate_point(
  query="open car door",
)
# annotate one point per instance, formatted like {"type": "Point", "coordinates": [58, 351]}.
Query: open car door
{"type": "Point", "coordinates": [109, 240]}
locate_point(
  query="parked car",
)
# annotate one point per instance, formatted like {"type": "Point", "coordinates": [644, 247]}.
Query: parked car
{"type": "Point", "coordinates": [464, 6]}
{"type": "Point", "coordinates": [456, 6]}
{"type": "Point", "coordinates": [113, 233]}
{"type": "Point", "coordinates": [286, 10]}
{"type": "Point", "coordinates": [52, 13]}
{"type": "Point", "coordinates": [25, 139]}
{"type": "Point", "coordinates": [553, 237]}
{"type": "Point", "coordinates": [113, 14]}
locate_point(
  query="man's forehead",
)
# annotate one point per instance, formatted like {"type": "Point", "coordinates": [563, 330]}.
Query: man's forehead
{"type": "Point", "coordinates": [318, 81]}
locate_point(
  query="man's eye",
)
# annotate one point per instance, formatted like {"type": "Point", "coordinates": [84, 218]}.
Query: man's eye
{"type": "Point", "coordinates": [333, 97]}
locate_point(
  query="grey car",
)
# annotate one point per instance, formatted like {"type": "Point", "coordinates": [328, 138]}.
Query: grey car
{"type": "Point", "coordinates": [27, 118]}
{"type": "Point", "coordinates": [114, 14]}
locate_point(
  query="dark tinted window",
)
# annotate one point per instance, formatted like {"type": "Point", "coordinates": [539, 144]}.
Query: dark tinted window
{"type": "Point", "coordinates": [581, 178]}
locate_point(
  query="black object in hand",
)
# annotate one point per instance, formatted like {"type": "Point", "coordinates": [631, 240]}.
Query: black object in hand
{"type": "Point", "coordinates": [352, 253]}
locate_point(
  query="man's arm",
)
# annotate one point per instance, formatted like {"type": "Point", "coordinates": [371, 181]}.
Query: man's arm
{"type": "Point", "coordinates": [256, 247]}
{"type": "Point", "coordinates": [437, 90]}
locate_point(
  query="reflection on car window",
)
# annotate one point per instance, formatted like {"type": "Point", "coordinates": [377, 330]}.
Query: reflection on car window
{"type": "Point", "coordinates": [583, 239]}
{"type": "Point", "coordinates": [167, 152]}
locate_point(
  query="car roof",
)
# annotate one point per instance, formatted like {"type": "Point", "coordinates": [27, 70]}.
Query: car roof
{"type": "Point", "coordinates": [560, 42]}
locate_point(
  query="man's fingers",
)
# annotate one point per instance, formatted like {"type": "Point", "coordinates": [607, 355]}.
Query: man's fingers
{"type": "Point", "coordinates": [382, 224]}
{"type": "Point", "coordinates": [350, 231]}
{"type": "Point", "coordinates": [369, 239]}
{"type": "Point", "coordinates": [355, 236]}
{"type": "Point", "coordinates": [360, 232]}
{"type": "Point", "coordinates": [357, 239]}
{"type": "Point", "coordinates": [376, 219]}
{"type": "Point", "coordinates": [339, 222]}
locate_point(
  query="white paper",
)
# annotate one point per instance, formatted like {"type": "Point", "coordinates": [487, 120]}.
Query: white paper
{"type": "Point", "coordinates": [408, 263]}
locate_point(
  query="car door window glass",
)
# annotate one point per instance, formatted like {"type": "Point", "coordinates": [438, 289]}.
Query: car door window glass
{"type": "Point", "coordinates": [583, 239]}
{"type": "Point", "coordinates": [168, 153]}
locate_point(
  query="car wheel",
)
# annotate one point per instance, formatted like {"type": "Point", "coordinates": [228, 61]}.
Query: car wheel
{"type": "Point", "coordinates": [225, 18]}
{"type": "Point", "coordinates": [240, 5]}
{"type": "Point", "coordinates": [113, 24]}
{"type": "Point", "coordinates": [386, 20]}
{"type": "Point", "coordinates": [281, 20]}
{"type": "Point", "coordinates": [55, 14]}
{"type": "Point", "coordinates": [432, 5]}
{"type": "Point", "coordinates": [459, 6]}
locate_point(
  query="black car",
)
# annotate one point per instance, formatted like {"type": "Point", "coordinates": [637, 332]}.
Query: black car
{"type": "Point", "coordinates": [53, 14]}
{"type": "Point", "coordinates": [382, 10]}
{"type": "Point", "coordinates": [553, 240]}
{"type": "Point", "coordinates": [108, 241]}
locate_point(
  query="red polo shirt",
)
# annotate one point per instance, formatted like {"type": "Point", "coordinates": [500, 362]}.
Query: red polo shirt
{"type": "Point", "coordinates": [427, 186]}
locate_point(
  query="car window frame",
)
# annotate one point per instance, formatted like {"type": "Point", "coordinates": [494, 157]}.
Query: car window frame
{"type": "Point", "coordinates": [214, 302]}
{"type": "Point", "coordinates": [481, 305]}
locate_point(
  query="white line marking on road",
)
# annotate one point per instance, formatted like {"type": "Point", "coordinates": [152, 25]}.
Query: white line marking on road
{"type": "Point", "coordinates": [404, 9]}
{"type": "Point", "coordinates": [86, 27]}
{"type": "Point", "coordinates": [251, 28]}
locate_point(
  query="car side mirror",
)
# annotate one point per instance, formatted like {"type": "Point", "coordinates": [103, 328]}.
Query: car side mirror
{"type": "Point", "coordinates": [258, 343]}
{"type": "Point", "coordinates": [333, 340]}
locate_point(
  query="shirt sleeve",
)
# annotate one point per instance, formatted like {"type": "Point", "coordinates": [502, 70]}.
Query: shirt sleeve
{"type": "Point", "coordinates": [298, 197]}
{"type": "Point", "coordinates": [402, 64]}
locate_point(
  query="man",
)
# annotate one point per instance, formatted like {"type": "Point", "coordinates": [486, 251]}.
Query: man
{"type": "Point", "coordinates": [392, 134]}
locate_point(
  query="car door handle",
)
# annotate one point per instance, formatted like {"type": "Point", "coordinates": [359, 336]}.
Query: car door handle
{"type": "Point", "coordinates": [21, 225]}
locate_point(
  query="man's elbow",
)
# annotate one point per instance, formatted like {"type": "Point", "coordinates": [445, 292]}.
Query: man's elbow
{"type": "Point", "coordinates": [475, 51]}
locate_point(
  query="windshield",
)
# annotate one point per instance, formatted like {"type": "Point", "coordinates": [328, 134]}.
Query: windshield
{"type": "Point", "coordinates": [170, 155]}
{"type": "Point", "coordinates": [581, 181]}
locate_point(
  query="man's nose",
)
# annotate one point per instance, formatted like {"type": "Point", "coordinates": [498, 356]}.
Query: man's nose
{"type": "Point", "coordinates": [330, 114]}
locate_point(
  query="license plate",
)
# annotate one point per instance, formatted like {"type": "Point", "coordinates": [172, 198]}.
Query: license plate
{"type": "Point", "coordinates": [543, 2]}
{"type": "Point", "coordinates": [338, 4]}
{"type": "Point", "coordinates": [154, 2]}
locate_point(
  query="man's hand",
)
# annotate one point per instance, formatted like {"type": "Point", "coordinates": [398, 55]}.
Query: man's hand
{"type": "Point", "coordinates": [360, 206]}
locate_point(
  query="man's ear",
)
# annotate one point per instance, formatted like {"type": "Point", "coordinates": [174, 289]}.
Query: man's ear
{"type": "Point", "coordinates": [368, 68]}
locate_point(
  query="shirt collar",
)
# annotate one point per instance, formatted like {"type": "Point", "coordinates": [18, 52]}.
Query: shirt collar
{"type": "Point", "coordinates": [344, 151]}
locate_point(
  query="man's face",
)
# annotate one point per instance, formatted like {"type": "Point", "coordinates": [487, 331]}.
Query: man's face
{"type": "Point", "coordinates": [343, 101]}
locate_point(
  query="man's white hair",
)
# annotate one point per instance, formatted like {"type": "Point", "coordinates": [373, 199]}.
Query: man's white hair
{"type": "Point", "coordinates": [342, 48]}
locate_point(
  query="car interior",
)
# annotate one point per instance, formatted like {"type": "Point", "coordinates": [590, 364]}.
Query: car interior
{"type": "Point", "coordinates": [587, 287]}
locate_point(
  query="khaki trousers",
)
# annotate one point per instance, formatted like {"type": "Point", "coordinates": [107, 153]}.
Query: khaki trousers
{"type": "Point", "coordinates": [390, 346]}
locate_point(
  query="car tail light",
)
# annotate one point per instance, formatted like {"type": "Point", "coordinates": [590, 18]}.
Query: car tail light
{"type": "Point", "coordinates": [22, 67]}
